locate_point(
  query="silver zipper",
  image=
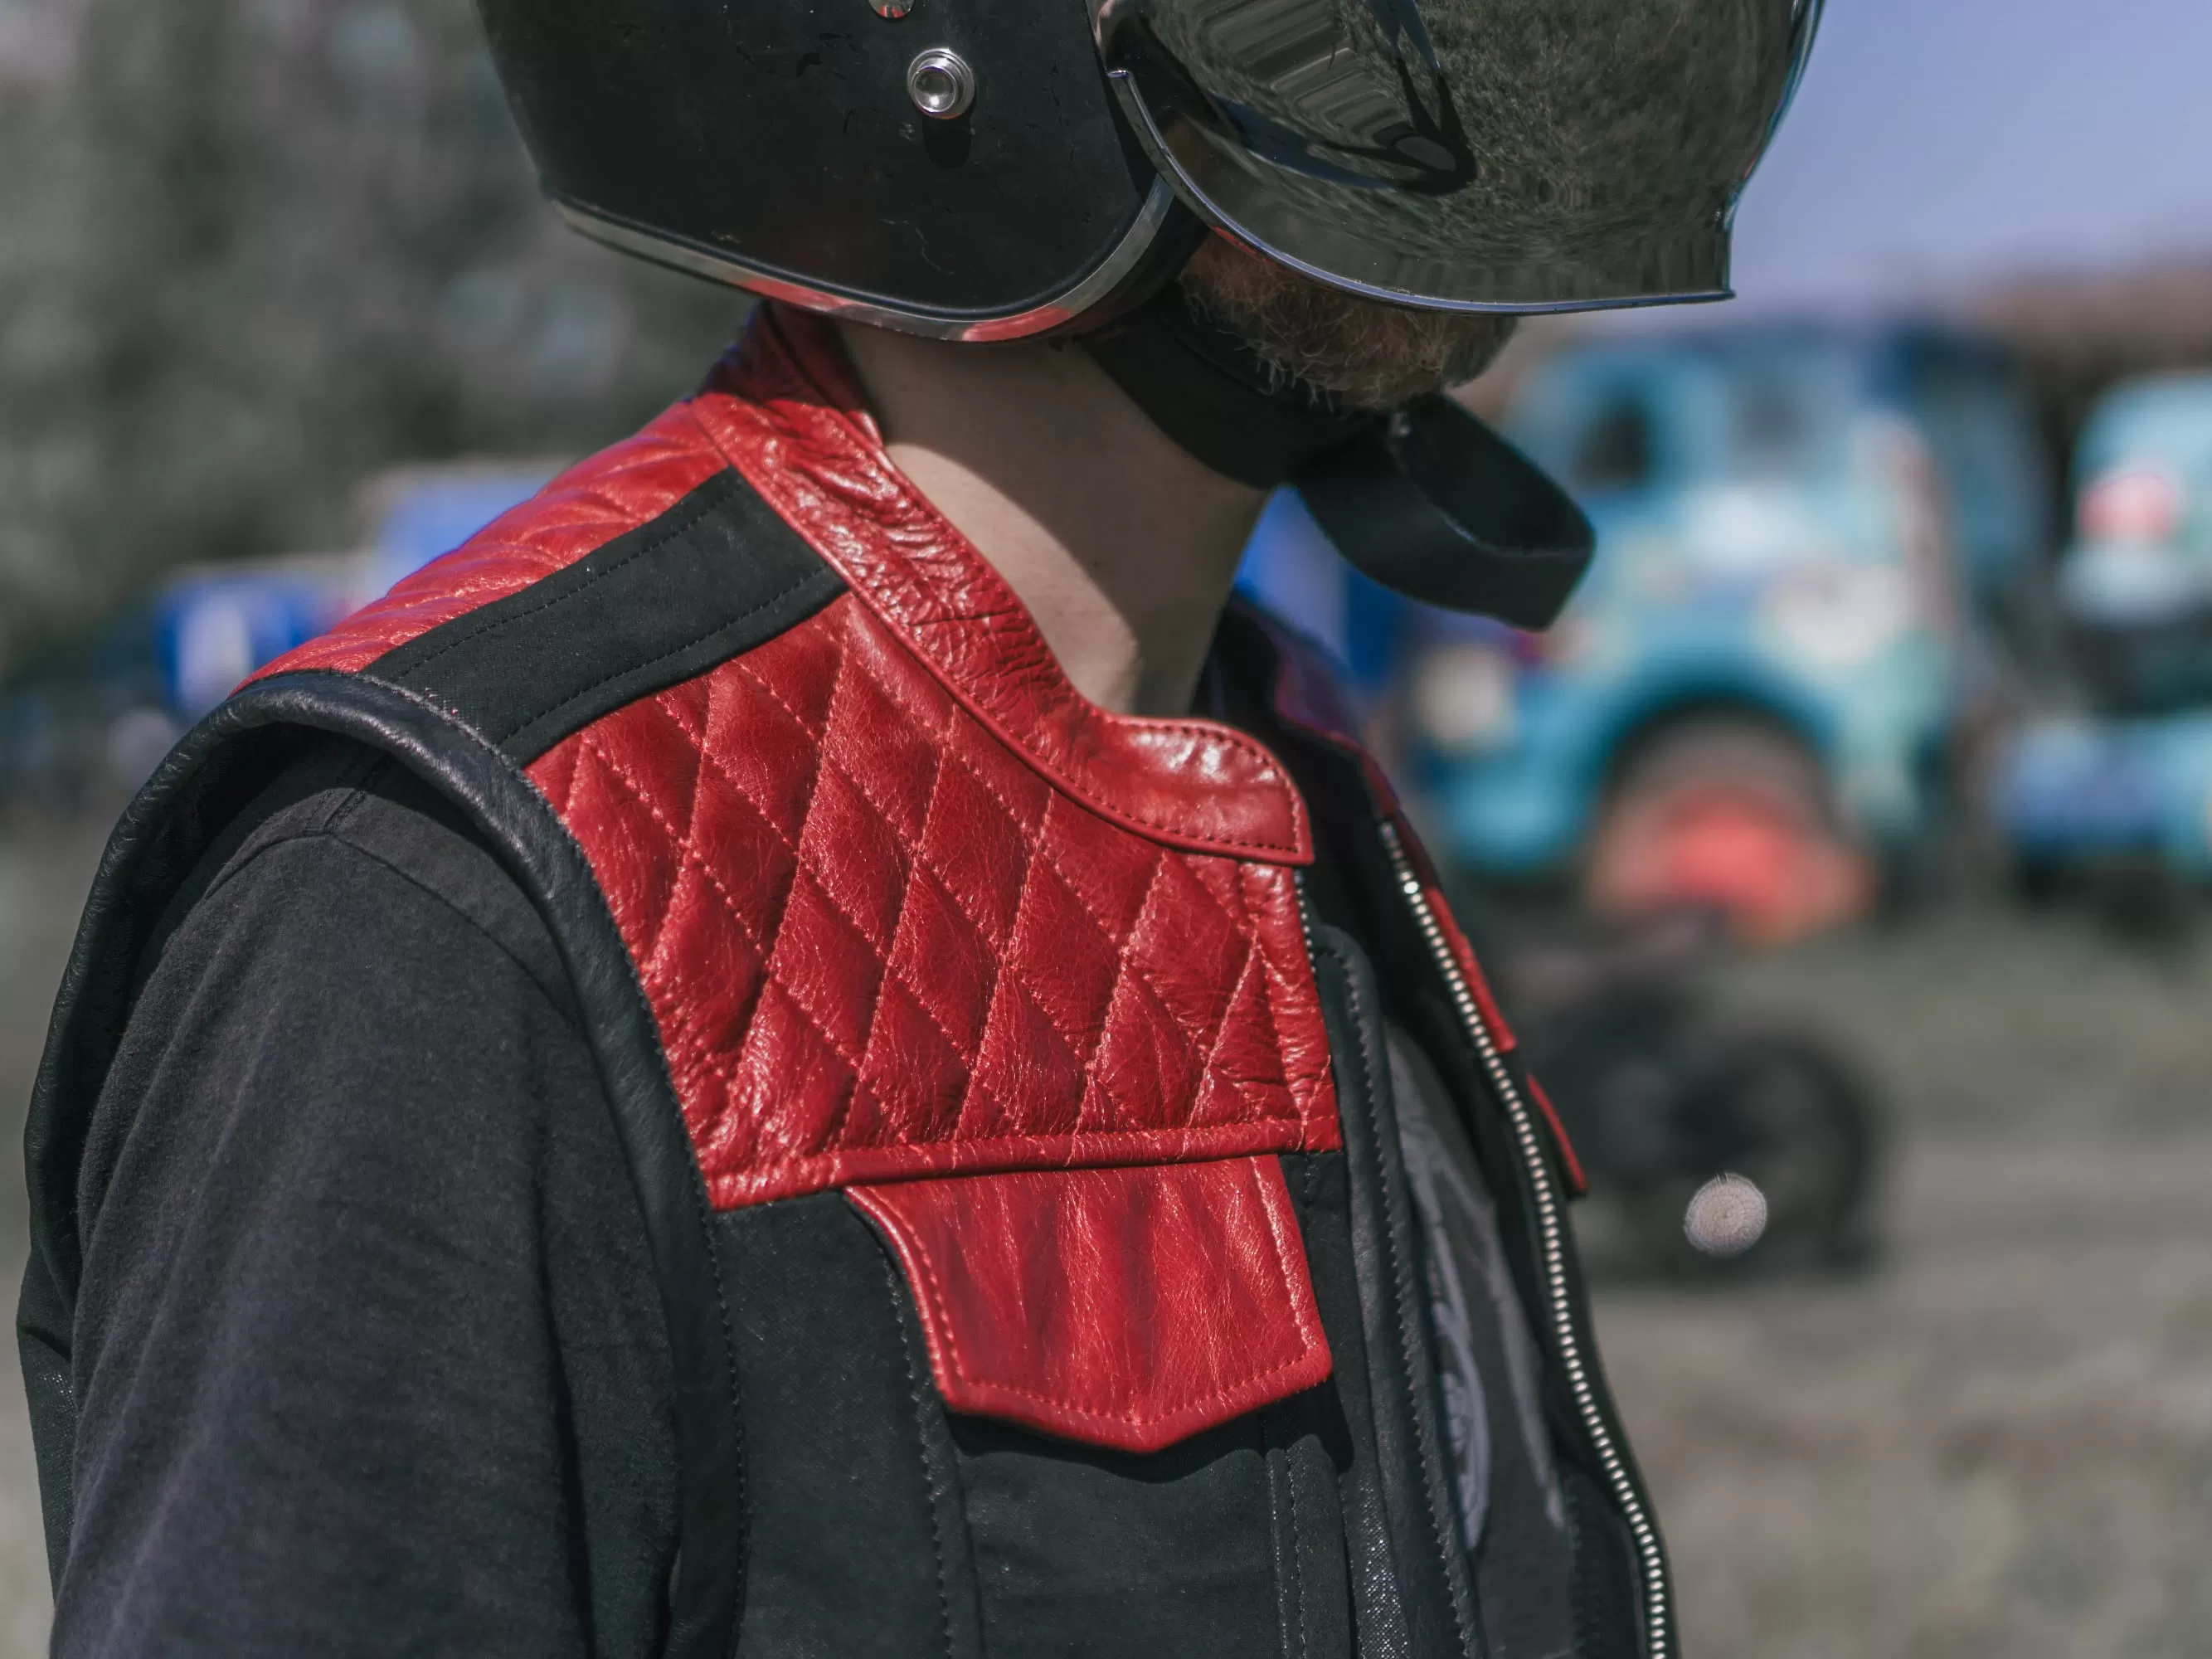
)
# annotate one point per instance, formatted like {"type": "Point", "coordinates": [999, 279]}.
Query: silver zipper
{"type": "Point", "coordinates": [1551, 1224]}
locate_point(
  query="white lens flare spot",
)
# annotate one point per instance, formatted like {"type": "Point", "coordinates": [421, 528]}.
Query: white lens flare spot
{"type": "Point", "coordinates": [1726, 1216]}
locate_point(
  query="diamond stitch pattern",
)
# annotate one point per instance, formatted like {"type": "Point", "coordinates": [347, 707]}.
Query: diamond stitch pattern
{"type": "Point", "coordinates": [879, 939]}
{"type": "Point", "coordinates": [902, 952]}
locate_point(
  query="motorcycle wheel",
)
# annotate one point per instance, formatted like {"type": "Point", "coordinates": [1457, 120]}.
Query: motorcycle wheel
{"type": "Point", "coordinates": [1781, 1110]}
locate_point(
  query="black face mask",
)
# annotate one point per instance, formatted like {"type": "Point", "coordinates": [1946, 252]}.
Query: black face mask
{"type": "Point", "coordinates": [1426, 500]}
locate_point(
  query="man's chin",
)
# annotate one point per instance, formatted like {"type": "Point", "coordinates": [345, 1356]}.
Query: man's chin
{"type": "Point", "coordinates": [1371, 354]}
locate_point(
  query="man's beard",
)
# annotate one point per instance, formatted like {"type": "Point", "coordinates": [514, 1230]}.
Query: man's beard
{"type": "Point", "coordinates": [1371, 354]}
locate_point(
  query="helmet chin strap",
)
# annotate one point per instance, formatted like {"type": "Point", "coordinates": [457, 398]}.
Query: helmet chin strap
{"type": "Point", "coordinates": [1425, 499]}
{"type": "Point", "coordinates": [1210, 392]}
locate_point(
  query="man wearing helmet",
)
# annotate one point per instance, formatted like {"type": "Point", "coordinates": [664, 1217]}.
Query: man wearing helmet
{"type": "Point", "coordinates": [805, 1047]}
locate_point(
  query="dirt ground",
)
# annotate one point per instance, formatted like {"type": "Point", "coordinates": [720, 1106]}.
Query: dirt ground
{"type": "Point", "coordinates": [1996, 1441]}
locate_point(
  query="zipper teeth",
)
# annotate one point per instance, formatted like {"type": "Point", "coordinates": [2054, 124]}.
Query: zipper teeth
{"type": "Point", "coordinates": [1552, 1227]}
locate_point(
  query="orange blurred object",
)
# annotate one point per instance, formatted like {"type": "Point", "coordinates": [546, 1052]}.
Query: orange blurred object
{"type": "Point", "coordinates": [1751, 853]}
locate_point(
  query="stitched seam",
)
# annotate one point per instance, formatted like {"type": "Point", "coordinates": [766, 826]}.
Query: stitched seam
{"type": "Point", "coordinates": [1283, 994]}
{"type": "Point", "coordinates": [249, 852]}
{"type": "Point", "coordinates": [598, 686]}
{"type": "Point", "coordinates": [1250, 937]}
{"type": "Point", "coordinates": [914, 855]}
{"type": "Point", "coordinates": [1123, 965]}
{"type": "Point", "coordinates": [1061, 1402]}
{"type": "Point", "coordinates": [921, 1432]}
{"type": "Point", "coordinates": [884, 957]}
{"type": "Point", "coordinates": [1038, 852]}
{"type": "Point", "coordinates": [1065, 1403]}
{"type": "Point", "coordinates": [703, 756]}
{"type": "Point", "coordinates": [571, 749]}
{"type": "Point", "coordinates": [1276, 1530]}
{"type": "Point", "coordinates": [373, 625]}
{"type": "Point", "coordinates": [912, 852]}
{"type": "Point", "coordinates": [999, 976]}
{"type": "Point", "coordinates": [689, 1043]}
{"type": "Point", "coordinates": [702, 1208]}
{"type": "Point", "coordinates": [1160, 857]}
{"type": "Point", "coordinates": [1297, 1571]}
{"type": "Point", "coordinates": [1123, 971]}
{"type": "Point", "coordinates": [741, 1471]}
{"type": "Point", "coordinates": [872, 578]}
{"type": "Point", "coordinates": [1259, 1183]}
{"type": "Point", "coordinates": [800, 871]}
{"type": "Point", "coordinates": [683, 519]}
{"type": "Point", "coordinates": [687, 855]}
{"type": "Point", "coordinates": [1297, 1531]}
{"type": "Point", "coordinates": [1179, 1407]}
{"type": "Point", "coordinates": [1219, 1140]}
{"type": "Point", "coordinates": [1072, 1141]}
{"type": "Point", "coordinates": [354, 780]}
{"type": "Point", "coordinates": [870, 571]}
{"type": "Point", "coordinates": [1437, 1529]}
{"type": "Point", "coordinates": [1034, 845]}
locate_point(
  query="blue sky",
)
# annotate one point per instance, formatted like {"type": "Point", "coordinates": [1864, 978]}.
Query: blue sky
{"type": "Point", "coordinates": [1939, 141]}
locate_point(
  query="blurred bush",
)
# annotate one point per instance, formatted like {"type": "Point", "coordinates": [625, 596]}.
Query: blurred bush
{"type": "Point", "coordinates": [254, 250]}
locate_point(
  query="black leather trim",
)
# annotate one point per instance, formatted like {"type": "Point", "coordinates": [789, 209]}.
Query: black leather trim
{"type": "Point", "coordinates": [715, 575]}
{"type": "Point", "coordinates": [1437, 1596]}
{"type": "Point", "coordinates": [201, 785]}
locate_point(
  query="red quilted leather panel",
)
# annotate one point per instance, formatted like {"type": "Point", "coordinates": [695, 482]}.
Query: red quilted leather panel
{"type": "Point", "coordinates": [785, 412]}
{"type": "Point", "coordinates": [880, 943]}
{"type": "Point", "coordinates": [582, 510]}
{"type": "Point", "coordinates": [1123, 1308]}
{"type": "Point", "coordinates": [906, 906]}
{"type": "Point", "coordinates": [905, 902]}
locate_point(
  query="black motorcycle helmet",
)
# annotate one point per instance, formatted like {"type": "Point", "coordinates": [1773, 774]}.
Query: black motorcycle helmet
{"type": "Point", "coordinates": [990, 170]}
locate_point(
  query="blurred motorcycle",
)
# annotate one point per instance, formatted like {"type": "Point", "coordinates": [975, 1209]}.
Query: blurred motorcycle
{"type": "Point", "coordinates": [1722, 1143]}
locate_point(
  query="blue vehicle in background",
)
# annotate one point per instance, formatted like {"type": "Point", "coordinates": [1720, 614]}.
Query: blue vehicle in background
{"type": "Point", "coordinates": [2122, 786]}
{"type": "Point", "coordinates": [214, 627]}
{"type": "Point", "coordinates": [1810, 539]}
{"type": "Point", "coordinates": [118, 699]}
{"type": "Point", "coordinates": [1739, 715]}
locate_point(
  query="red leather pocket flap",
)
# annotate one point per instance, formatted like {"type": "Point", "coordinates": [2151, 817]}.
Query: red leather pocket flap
{"type": "Point", "coordinates": [1127, 1308]}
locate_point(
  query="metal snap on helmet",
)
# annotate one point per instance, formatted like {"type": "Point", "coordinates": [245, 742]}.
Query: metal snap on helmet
{"type": "Point", "coordinates": [994, 169]}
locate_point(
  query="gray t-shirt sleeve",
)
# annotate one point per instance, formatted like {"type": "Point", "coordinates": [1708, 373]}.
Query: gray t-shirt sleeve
{"type": "Point", "coordinates": [369, 1353]}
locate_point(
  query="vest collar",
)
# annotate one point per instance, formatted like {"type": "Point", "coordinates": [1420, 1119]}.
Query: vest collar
{"type": "Point", "coordinates": [786, 410]}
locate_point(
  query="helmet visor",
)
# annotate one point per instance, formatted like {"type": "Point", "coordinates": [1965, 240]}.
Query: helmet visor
{"type": "Point", "coordinates": [1467, 155]}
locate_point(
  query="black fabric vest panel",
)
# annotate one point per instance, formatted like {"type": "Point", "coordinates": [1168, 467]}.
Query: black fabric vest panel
{"type": "Point", "coordinates": [857, 1552]}
{"type": "Point", "coordinates": [1353, 891]}
{"type": "Point", "coordinates": [830, 1504]}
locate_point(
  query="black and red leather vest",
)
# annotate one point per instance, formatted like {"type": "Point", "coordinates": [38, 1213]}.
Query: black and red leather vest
{"type": "Point", "coordinates": [1005, 1101]}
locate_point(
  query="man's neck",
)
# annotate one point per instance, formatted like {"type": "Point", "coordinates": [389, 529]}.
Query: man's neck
{"type": "Point", "coordinates": [1121, 546]}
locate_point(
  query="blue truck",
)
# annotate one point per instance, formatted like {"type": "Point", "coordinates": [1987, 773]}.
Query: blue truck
{"type": "Point", "coordinates": [1809, 537]}
{"type": "Point", "coordinates": [2122, 782]}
